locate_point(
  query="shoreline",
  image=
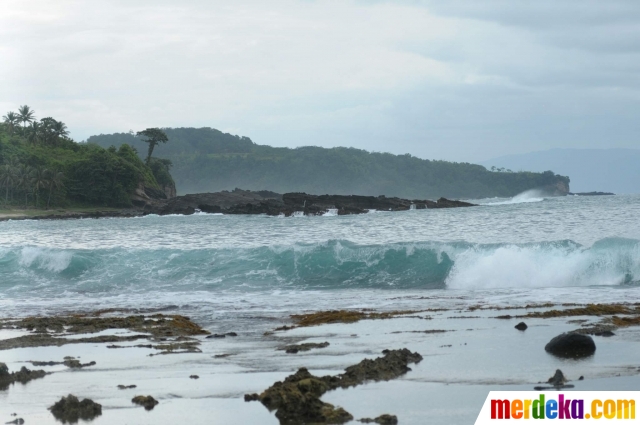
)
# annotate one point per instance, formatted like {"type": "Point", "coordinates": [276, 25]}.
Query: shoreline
{"type": "Point", "coordinates": [466, 351]}
{"type": "Point", "coordinates": [242, 202]}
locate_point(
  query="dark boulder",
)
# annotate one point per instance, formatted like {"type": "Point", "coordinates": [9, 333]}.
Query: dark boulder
{"type": "Point", "coordinates": [571, 345]}
{"type": "Point", "coordinates": [521, 326]}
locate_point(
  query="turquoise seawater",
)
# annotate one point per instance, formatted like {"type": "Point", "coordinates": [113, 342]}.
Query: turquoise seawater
{"type": "Point", "coordinates": [523, 243]}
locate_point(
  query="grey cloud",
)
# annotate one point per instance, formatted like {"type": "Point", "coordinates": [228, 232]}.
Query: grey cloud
{"type": "Point", "coordinates": [455, 80]}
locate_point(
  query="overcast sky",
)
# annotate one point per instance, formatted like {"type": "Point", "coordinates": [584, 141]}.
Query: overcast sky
{"type": "Point", "coordinates": [463, 81]}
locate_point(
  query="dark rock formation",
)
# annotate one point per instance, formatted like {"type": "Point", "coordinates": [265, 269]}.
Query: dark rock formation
{"type": "Point", "coordinates": [592, 194]}
{"type": "Point", "coordinates": [45, 330]}
{"type": "Point", "coordinates": [572, 345]}
{"type": "Point", "coordinates": [297, 398]}
{"type": "Point", "coordinates": [295, 348]}
{"type": "Point", "coordinates": [194, 377]}
{"type": "Point", "coordinates": [558, 382]}
{"type": "Point", "coordinates": [521, 326]}
{"type": "Point", "coordinates": [70, 409]}
{"type": "Point", "coordinates": [382, 420]}
{"type": "Point", "coordinates": [558, 379]}
{"type": "Point", "coordinates": [263, 202]}
{"type": "Point", "coordinates": [23, 376]}
{"type": "Point", "coordinates": [147, 402]}
{"type": "Point", "coordinates": [126, 387]}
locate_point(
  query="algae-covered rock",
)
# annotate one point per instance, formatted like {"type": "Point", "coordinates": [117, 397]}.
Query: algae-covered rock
{"type": "Point", "coordinates": [23, 376]}
{"type": "Point", "coordinates": [147, 402]}
{"type": "Point", "coordinates": [297, 398]}
{"type": "Point", "coordinates": [381, 420]}
{"type": "Point", "coordinates": [70, 409]}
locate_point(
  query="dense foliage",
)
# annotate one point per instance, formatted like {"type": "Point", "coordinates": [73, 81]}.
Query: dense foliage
{"type": "Point", "coordinates": [207, 160]}
{"type": "Point", "coordinates": [40, 166]}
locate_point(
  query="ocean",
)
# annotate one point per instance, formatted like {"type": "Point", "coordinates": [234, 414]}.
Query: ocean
{"type": "Point", "coordinates": [247, 274]}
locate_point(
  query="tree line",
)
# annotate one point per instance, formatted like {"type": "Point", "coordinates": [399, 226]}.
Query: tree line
{"type": "Point", "coordinates": [41, 166]}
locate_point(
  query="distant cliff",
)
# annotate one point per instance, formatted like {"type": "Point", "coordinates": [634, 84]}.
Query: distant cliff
{"type": "Point", "coordinates": [207, 160]}
{"type": "Point", "coordinates": [605, 170]}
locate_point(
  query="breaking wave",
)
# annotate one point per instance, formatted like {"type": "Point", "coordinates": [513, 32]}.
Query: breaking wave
{"type": "Point", "coordinates": [331, 265]}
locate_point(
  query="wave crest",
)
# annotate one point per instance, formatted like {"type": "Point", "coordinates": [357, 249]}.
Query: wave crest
{"type": "Point", "coordinates": [331, 265]}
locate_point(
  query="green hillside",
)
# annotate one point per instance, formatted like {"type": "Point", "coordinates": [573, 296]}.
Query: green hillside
{"type": "Point", "coordinates": [41, 167]}
{"type": "Point", "coordinates": [207, 160]}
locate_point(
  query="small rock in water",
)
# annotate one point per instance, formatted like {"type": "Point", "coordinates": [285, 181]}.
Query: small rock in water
{"type": "Point", "coordinates": [572, 345]}
{"type": "Point", "coordinates": [521, 326]}
{"type": "Point", "coordinates": [557, 379]}
{"type": "Point", "coordinates": [126, 387]}
{"type": "Point", "coordinates": [581, 378]}
{"type": "Point", "coordinates": [70, 409]}
{"type": "Point", "coordinates": [231, 334]}
{"type": "Point", "coordinates": [18, 421]}
{"type": "Point", "coordinates": [147, 402]}
{"type": "Point", "coordinates": [605, 333]}
{"type": "Point", "coordinates": [4, 371]}
{"type": "Point", "coordinates": [382, 420]}
{"type": "Point", "coordinates": [194, 377]}
{"type": "Point", "coordinates": [216, 336]}
{"type": "Point", "coordinates": [251, 397]}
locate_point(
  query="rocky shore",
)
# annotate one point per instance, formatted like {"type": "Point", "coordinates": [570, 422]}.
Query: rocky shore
{"type": "Point", "coordinates": [299, 389]}
{"type": "Point", "coordinates": [264, 202]}
{"type": "Point", "coordinates": [240, 201]}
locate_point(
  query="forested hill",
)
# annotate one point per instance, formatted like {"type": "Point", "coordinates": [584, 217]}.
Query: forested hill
{"type": "Point", "coordinates": [207, 160]}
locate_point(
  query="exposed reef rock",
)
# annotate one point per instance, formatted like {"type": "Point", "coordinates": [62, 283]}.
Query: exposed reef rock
{"type": "Point", "coordinates": [381, 420]}
{"type": "Point", "coordinates": [295, 348]}
{"type": "Point", "coordinates": [147, 402]}
{"type": "Point", "coordinates": [23, 376]}
{"type": "Point", "coordinates": [571, 345]}
{"type": "Point", "coordinates": [70, 409]}
{"type": "Point", "coordinates": [297, 399]}
{"type": "Point", "coordinates": [53, 331]}
{"type": "Point", "coordinates": [264, 202]}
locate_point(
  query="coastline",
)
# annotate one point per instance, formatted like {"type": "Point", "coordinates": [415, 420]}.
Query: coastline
{"type": "Point", "coordinates": [240, 202]}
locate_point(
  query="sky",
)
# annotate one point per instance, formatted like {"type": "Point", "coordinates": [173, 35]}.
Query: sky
{"type": "Point", "coordinates": [454, 80]}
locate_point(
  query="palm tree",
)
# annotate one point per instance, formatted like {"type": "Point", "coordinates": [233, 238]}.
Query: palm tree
{"type": "Point", "coordinates": [47, 129]}
{"type": "Point", "coordinates": [39, 181]}
{"type": "Point", "coordinates": [55, 183]}
{"type": "Point", "coordinates": [7, 179]}
{"type": "Point", "coordinates": [11, 119]}
{"type": "Point", "coordinates": [23, 180]}
{"type": "Point", "coordinates": [35, 131]}
{"type": "Point", "coordinates": [60, 129]}
{"type": "Point", "coordinates": [26, 114]}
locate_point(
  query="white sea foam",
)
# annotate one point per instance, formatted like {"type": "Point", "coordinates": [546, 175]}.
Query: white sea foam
{"type": "Point", "coordinates": [331, 212]}
{"type": "Point", "coordinates": [524, 197]}
{"type": "Point", "coordinates": [513, 266]}
{"type": "Point", "coordinates": [51, 260]}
